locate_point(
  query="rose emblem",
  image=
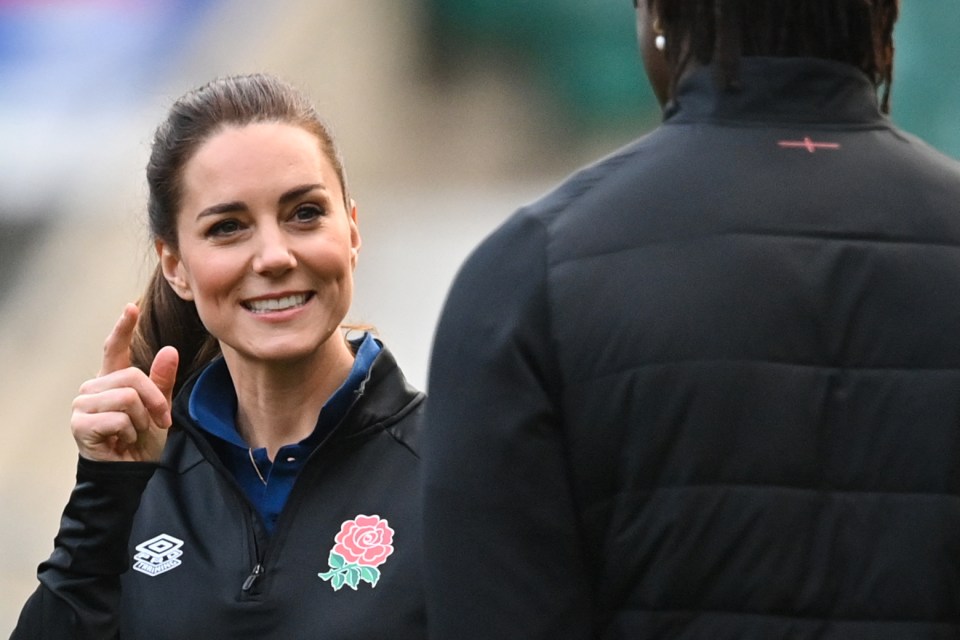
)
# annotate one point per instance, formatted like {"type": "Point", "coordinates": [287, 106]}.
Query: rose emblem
{"type": "Point", "coordinates": [362, 545]}
{"type": "Point", "coordinates": [366, 540]}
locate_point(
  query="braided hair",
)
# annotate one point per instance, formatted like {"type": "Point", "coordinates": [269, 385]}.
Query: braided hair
{"type": "Point", "coordinates": [719, 32]}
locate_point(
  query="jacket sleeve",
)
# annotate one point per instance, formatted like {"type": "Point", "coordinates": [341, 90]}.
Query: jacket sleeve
{"type": "Point", "coordinates": [79, 591]}
{"type": "Point", "coordinates": [503, 555]}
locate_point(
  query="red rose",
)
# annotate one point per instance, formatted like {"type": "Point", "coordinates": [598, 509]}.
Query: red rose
{"type": "Point", "coordinates": [366, 540]}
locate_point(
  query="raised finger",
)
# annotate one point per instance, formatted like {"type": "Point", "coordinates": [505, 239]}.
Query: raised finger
{"type": "Point", "coordinates": [116, 348]}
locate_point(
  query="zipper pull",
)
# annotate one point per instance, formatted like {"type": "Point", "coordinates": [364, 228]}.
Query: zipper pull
{"type": "Point", "coordinates": [257, 572]}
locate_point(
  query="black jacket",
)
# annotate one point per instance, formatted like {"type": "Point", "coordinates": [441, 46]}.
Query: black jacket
{"type": "Point", "coordinates": [710, 386]}
{"type": "Point", "coordinates": [193, 561]}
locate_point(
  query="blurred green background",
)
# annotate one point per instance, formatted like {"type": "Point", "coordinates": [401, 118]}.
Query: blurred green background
{"type": "Point", "coordinates": [583, 54]}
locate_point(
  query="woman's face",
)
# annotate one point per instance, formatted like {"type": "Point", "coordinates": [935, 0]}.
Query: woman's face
{"type": "Point", "coordinates": [266, 246]}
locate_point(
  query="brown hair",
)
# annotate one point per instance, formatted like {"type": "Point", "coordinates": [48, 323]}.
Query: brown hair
{"type": "Point", "coordinates": [165, 318]}
{"type": "Point", "coordinates": [719, 32]}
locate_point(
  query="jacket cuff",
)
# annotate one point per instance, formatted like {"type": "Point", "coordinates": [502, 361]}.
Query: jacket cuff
{"type": "Point", "coordinates": [96, 523]}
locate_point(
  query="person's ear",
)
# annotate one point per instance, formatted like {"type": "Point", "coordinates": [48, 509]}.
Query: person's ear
{"type": "Point", "coordinates": [173, 270]}
{"type": "Point", "coordinates": [653, 43]}
{"type": "Point", "coordinates": [355, 240]}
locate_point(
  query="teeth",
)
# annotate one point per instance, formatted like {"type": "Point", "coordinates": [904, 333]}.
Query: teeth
{"type": "Point", "coordinates": [276, 304]}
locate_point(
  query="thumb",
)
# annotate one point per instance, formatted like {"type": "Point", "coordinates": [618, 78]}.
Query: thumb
{"type": "Point", "coordinates": [163, 373]}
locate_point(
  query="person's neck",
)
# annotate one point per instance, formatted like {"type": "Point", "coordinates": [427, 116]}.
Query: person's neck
{"type": "Point", "coordinates": [278, 403]}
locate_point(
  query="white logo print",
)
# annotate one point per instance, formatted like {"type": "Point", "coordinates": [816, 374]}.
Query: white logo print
{"type": "Point", "coordinates": [158, 555]}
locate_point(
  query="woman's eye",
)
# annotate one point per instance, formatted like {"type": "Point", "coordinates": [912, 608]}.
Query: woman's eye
{"type": "Point", "coordinates": [308, 213]}
{"type": "Point", "coordinates": [224, 228]}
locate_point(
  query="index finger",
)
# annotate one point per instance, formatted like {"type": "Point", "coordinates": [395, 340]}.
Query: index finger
{"type": "Point", "coordinates": [116, 348]}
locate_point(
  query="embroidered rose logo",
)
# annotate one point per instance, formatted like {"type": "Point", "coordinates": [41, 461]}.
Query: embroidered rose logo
{"type": "Point", "coordinates": [362, 545]}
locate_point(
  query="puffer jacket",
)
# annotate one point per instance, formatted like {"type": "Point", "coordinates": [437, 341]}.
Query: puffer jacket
{"type": "Point", "coordinates": [710, 386]}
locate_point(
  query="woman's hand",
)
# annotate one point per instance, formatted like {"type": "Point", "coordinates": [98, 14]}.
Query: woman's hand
{"type": "Point", "coordinates": [123, 415]}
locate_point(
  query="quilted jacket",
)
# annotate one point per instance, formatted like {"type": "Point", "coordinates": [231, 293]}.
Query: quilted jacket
{"type": "Point", "coordinates": [709, 387]}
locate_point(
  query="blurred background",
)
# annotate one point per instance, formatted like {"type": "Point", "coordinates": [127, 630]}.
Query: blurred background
{"type": "Point", "coordinates": [450, 115]}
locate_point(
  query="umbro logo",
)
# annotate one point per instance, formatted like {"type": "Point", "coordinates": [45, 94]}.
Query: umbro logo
{"type": "Point", "coordinates": [158, 555]}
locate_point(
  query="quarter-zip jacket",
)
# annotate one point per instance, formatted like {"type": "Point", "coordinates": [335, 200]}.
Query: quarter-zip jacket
{"type": "Point", "coordinates": [176, 550]}
{"type": "Point", "coordinates": [710, 386]}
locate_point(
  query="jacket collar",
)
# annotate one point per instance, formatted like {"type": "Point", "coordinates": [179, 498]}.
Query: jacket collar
{"type": "Point", "coordinates": [383, 398]}
{"type": "Point", "coordinates": [773, 90]}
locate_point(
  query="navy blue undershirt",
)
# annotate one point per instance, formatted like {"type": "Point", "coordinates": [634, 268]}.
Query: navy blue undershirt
{"type": "Point", "coordinates": [213, 406]}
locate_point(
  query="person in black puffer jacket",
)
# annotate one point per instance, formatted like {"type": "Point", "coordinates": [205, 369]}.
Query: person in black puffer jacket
{"type": "Point", "coordinates": [709, 387]}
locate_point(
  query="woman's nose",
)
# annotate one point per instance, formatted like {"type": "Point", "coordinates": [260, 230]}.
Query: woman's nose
{"type": "Point", "coordinates": [274, 254]}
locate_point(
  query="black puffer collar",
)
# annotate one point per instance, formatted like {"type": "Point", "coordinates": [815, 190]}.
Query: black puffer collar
{"type": "Point", "coordinates": [789, 90]}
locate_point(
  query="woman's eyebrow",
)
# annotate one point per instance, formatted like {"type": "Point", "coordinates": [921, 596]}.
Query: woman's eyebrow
{"type": "Point", "coordinates": [226, 207]}
{"type": "Point", "coordinates": [299, 192]}
{"type": "Point", "coordinates": [288, 196]}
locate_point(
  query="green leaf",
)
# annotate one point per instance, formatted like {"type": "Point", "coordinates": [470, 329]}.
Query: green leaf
{"type": "Point", "coordinates": [336, 561]}
{"type": "Point", "coordinates": [337, 582]}
{"type": "Point", "coordinates": [370, 574]}
{"type": "Point", "coordinates": [353, 576]}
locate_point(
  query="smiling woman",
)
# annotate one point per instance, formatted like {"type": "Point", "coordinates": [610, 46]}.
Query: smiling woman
{"type": "Point", "coordinates": [232, 425]}
{"type": "Point", "coordinates": [265, 249]}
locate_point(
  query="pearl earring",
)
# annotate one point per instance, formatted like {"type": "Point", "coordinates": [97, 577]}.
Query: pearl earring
{"type": "Point", "coordinates": [660, 41]}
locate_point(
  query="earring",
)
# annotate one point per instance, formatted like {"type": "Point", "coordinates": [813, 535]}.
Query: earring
{"type": "Point", "coordinates": [660, 41]}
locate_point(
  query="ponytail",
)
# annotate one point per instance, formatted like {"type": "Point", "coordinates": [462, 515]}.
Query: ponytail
{"type": "Point", "coordinates": [167, 319]}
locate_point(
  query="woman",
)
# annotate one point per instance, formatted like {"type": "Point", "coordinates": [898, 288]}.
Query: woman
{"type": "Point", "coordinates": [253, 473]}
{"type": "Point", "coordinates": [708, 387]}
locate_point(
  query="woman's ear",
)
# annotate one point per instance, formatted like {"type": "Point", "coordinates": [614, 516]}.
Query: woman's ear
{"type": "Point", "coordinates": [173, 270]}
{"type": "Point", "coordinates": [355, 240]}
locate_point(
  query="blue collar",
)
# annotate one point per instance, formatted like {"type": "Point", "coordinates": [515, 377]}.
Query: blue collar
{"type": "Point", "coordinates": [213, 400]}
{"type": "Point", "coordinates": [267, 484]}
